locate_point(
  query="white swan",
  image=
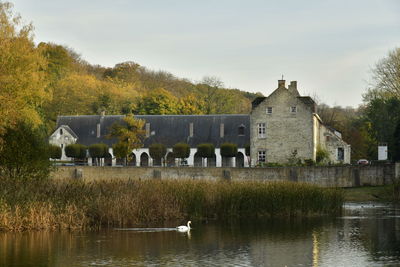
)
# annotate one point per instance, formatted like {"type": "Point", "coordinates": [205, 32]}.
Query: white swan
{"type": "Point", "coordinates": [184, 228]}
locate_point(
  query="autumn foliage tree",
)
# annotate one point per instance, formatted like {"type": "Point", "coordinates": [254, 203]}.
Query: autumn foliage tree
{"type": "Point", "coordinates": [130, 134]}
{"type": "Point", "coordinates": [22, 72]}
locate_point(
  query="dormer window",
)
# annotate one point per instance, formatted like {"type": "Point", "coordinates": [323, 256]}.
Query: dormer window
{"type": "Point", "coordinates": [241, 130]}
{"type": "Point", "coordinates": [269, 110]}
{"type": "Point", "coordinates": [293, 109]}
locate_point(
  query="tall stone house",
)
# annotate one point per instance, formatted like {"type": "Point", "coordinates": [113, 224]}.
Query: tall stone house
{"type": "Point", "coordinates": [281, 126]}
{"type": "Point", "coordinates": [285, 125]}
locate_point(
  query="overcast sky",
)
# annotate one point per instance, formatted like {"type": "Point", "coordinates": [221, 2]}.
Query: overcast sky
{"type": "Point", "coordinates": [328, 46]}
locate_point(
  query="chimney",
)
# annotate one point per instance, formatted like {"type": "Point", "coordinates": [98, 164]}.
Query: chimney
{"type": "Point", "coordinates": [293, 88]}
{"type": "Point", "coordinates": [293, 85]}
{"type": "Point", "coordinates": [281, 83]}
{"type": "Point", "coordinates": [98, 131]}
{"type": "Point", "coordinates": [103, 113]}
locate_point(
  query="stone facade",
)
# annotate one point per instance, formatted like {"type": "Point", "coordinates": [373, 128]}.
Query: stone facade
{"type": "Point", "coordinates": [285, 126]}
{"type": "Point", "coordinates": [62, 137]}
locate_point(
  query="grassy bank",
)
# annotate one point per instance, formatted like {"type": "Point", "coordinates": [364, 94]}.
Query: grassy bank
{"type": "Point", "coordinates": [73, 204]}
{"type": "Point", "coordinates": [384, 193]}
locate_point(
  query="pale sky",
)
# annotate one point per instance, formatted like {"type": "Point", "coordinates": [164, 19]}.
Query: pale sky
{"type": "Point", "coordinates": [328, 46]}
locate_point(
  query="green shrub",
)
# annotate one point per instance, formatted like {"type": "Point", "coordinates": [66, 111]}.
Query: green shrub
{"type": "Point", "coordinates": [76, 151]}
{"type": "Point", "coordinates": [309, 162]}
{"type": "Point", "coordinates": [322, 155]}
{"type": "Point", "coordinates": [206, 150]}
{"type": "Point", "coordinates": [55, 152]}
{"type": "Point", "coordinates": [229, 150]}
{"type": "Point", "coordinates": [98, 150]}
{"type": "Point", "coordinates": [157, 151]}
{"type": "Point", "coordinates": [181, 150]}
{"type": "Point", "coordinates": [247, 150]}
{"type": "Point", "coordinates": [24, 153]}
{"type": "Point", "coordinates": [121, 150]}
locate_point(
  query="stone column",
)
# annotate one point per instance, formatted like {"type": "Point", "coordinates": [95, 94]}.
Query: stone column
{"type": "Point", "coordinates": [233, 161]}
{"type": "Point", "coordinates": [137, 156]}
{"type": "Point", "coordinates": [218, 159]}
{"type": "Point", "coordinates": [113, 159]}
{"type": "Point", "coordinates": [190, 159]}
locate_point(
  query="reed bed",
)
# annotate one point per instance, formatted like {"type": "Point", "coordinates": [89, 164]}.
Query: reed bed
{"type": "Point", "coordinates": [74, 204]}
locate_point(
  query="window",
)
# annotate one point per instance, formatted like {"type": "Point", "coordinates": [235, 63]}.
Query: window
{"type": "Point", "coordinates": [221, 130]}
{"type": "Point", "coordinates": [340, 153]}
{"type": "Point", "coordinates": [241, 130]}
{"type": "Point", "coordinates": [293, 109]}
{"type": "Point", "coordinates": [61, 131]}
{"type": "Point", "coordinates": [269, 110]}
{"type": "Point", "coordinates": [262, 156]}
{"type": "Point", "coordinates": [261, 130]}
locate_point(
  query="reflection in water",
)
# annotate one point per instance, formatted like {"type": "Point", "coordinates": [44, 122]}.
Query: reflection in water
{"type": "Point", "coordinates": [365, 235]}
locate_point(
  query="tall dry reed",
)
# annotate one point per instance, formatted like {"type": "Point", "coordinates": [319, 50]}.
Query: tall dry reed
{"type": "Point", "coordinates": [74, 204]}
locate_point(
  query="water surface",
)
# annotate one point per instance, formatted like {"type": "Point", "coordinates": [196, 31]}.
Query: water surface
{"type": "Point", "coordinates": [365, 235]}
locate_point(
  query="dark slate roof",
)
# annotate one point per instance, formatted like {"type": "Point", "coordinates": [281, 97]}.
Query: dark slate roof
{"type": "Point", "coordinates": [257, 101]}
{"type": "Point", "coordinates": [166, 129]}
{"type": "Point", "coordinates": [66, 127]}
{"type": "Point", "coordinates": [308, 101]}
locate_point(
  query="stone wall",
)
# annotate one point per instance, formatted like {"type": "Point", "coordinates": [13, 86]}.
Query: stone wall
{"type": "Point", "coordinates": [341, 176]}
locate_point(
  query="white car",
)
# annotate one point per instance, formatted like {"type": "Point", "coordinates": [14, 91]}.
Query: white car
{"type": "Point", "coordinates": [362, 162]}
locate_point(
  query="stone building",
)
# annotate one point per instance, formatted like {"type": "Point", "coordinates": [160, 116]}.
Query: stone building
{"type": "Point", "coordinates": [280, 127]}
{"type": "Point", "coordinates": [285, 126]}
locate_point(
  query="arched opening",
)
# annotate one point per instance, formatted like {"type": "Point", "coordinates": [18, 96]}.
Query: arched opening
{"type": "Point", "coordinates": [120, 161]}
{"type": "Point", "coordinates": [131, 160]}
{"type": "Point", "coordinates": [226, 162]}
{"type": "Point", "coordinates": [212, 162]}
{"type": "Point", "coordinates": [197, 160]}
{"type": "Point", "coordinates": [170, 160]}
{"type": "Point", "coordinates": [108, 160]}
{"type": "Point", "coordinates": [157, 162]}
{"type": "Point", "coordinates": [144, 160]}
{"type": "Point", "coordinates": [240, 160]}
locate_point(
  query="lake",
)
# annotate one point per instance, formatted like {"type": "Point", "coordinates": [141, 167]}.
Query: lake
{"type": "Point", "coordinates": [365, 235]}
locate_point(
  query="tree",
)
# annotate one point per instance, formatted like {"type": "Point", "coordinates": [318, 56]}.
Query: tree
{"type": "Point", "coordinates": [396, 145]}
{"type": "Point", "coordinates": [25, 153]}
{"type": "Point", "coordinates": [76, 151]}
{"type": "Point", "coordinates": [55, 152]}
{"type": "Point", "coordinates": [157, 151]}
{"type": "Point", "coordinates": [181, 150]}
{"type": "Point", "coordinates": [98, 151]}
{"type": "Point", "coordinates": [121, 150]}
{"type": "Point", "coordinates": [382, 115]}
{"type": "Point", "coordinates": [129, 133]}
{"type": "Point", "coordinates": [229, 150]}
{"type": "Point", "coordinates": [386, 77]}
{"type": "Point", "coordinates": [158, 102]}
{"type": "Point", "coordinates": [205, 150]}
{"type": "Point", "coordinates": [22, 76]}
{"type": "Point", "coordinates": [210, 86]}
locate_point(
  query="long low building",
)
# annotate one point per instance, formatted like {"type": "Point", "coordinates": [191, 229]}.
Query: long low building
{"type": "Point", "coordinates": [282, 127]}
{"type": "Point", "coordinates": [165, 129]}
